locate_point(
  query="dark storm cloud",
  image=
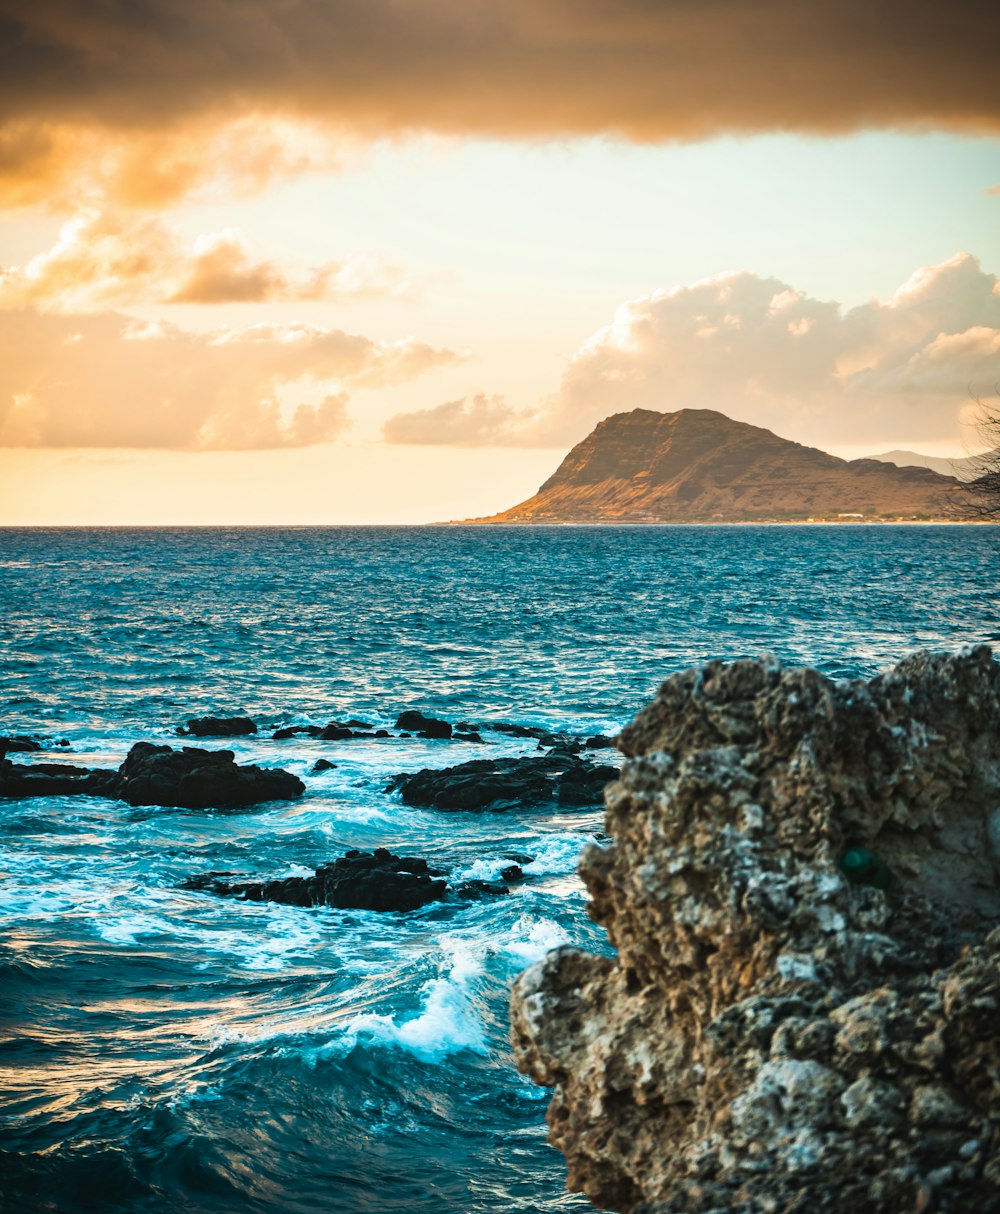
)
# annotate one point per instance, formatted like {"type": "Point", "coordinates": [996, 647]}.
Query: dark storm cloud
{"type": "Point", "coordinates": [645, 69]}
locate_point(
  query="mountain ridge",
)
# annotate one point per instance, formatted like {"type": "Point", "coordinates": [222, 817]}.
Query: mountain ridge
{"type": "Point", "coordinates": [964, 469]}
{"type": "Point", "coordinates": [698, 465]}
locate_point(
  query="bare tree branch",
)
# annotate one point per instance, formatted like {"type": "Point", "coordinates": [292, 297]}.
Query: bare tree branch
{"type": "Point", "coordinates": [981, 494]}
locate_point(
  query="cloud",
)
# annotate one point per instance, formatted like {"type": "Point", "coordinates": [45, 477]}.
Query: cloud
{"type": "Point", "coordinates": [185, 79]}
{"type": "Point", "coordinates": [482, 421]}
{"type": "Point", "coordinates": [107, 260]}
{"type": "Point", "coordinates": [57, 163]}
{"type": "Point", "coordinates": [110, 381]}
{"type": "Point", "coordinates": [761, 351]}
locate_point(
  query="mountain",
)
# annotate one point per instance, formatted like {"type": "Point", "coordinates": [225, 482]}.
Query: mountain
{"type": "Point", "coordinates": [697, 465]}
{"type": "Point", "coordinates": [964, 469]}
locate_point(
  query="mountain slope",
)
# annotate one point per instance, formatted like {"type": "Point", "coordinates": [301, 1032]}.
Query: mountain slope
{"type": "Point", "coordinates": [966, 469]}
{"type": "Point", "coordinates": [697, 465]}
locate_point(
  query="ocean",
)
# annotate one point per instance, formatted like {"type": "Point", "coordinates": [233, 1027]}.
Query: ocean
{"type": "Point", "coordinates": [166, 1050]}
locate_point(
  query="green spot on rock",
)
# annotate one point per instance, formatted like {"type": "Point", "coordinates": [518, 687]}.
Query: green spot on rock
{"type": "Point", "coordinates": [861, 866]}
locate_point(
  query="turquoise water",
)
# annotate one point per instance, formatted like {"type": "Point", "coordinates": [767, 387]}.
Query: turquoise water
{"type": "Point", "coordinates": [165, 1050]}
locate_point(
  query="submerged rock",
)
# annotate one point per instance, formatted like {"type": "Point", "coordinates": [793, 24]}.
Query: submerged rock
{"type": "Point", "coordinates": [292, 731]}
{"type": "Point", "coordinates": [218, 727]}
{"type": "Point", "coordinates": [378, 881]}
{"type": "Point", "coordinates": [499, 784]}
{"type": "Point", "coordinates": [191, 778]}
{"type": "Point", "coordinates": [804, 1009]}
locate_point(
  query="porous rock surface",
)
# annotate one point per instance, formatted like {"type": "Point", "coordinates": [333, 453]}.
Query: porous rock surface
{"type": "Point", "coordinates": [772, 1037]}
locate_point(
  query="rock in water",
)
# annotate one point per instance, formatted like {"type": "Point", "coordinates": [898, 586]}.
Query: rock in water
{"type": "Point", "coordinates": [378, 881]}
{"type": "Point", "coordinates": [359, 880]}
{"type": "Point", "coordinates": [218, 727]}
{"type": "Point", "coordinates": [787, 1026]}
{"type": "Point", "coordinates": [191, 778]}
{"type": "Point", "coordinates": [18, 743]}
{"type": "Point", "coordinates": [499, 784]}
{"type": "Point", "coordinates": [426, 727]}
{"type": "Point", "coordinates": [52, 780]}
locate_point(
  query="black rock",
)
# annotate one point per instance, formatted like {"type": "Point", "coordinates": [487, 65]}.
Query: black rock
{"type": "Point", "coordinates": [382, 733]}
{"type": "Point", "coordinates": [475, 890]}
{"type": "Point", "coordinates": [335, 732]}
{"type": "Point", "coordinates": [292, 731]}
{"type": "Point", "coordinates": [323, 765]}
{"type": "Point", "coordinates": [600, 741]}
{"type": "Point", "coordinates": [359, 880]}
{"type": "Point", "coordinates": [21, 744]}
{"type": "Point", "coordinates": [426, 727]}
{"type": "Point", "coordinates": [499, 784]}
{"type": "Point", "coordinates": [217, 727]}
{"type": "Point", "coordinates": [561, 749]}
{"type": "Point", "coordinates": [467, 737]}
{"type": "Point", "coordinates": [512, 872]}
{"type": "Point", "coordinates": [359, 724]}
{"type": "Point", "coordinates": [191, 778]}
{"type": "Point", "coordinates": [516, 731]}
{"type": "Point", "coordinates": [53, 780]}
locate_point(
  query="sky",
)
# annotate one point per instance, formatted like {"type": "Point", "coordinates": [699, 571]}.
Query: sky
{"type": "Point", "coordinates": [386, 261]}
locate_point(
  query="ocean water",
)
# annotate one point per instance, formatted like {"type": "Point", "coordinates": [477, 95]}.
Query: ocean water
{"type": "Point", "coordinates": [164, 1050]}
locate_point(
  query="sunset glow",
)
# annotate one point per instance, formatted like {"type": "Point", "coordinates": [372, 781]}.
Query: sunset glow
{"type": "Point", "coordinates": [369, 262]}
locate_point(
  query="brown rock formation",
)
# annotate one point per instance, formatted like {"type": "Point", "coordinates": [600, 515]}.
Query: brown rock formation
{"type": "Point", "coordinates": [804, 1009]}
{"type": "Point", "coordinates": [697, 465]}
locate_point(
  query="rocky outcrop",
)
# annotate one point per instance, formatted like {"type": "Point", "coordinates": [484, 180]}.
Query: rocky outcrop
{"type": "Point", "coordinates": [804, 1010]}
{"type": "Point", "coordinates": [218, 727]}
{"type": "Point", "coordinates": [697, 465]}
{"type": "Point", "coordinates": [427, 727]}
{"type": "Point", "coordinates": [501, 784]}
{"type": "Point", "coordinates": [358, 880]}
{"type": "Point", "coordinates": [19, 743]}
{"type": "Point", "coordinates": [52, 780]}
{"type": "Point", "coordinates": [191, 778]}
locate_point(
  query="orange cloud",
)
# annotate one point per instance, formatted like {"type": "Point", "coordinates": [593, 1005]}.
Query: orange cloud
{"type": "Point", "coordinates": [104, 260]}
{"type": "Point", "coordinates": [109, 381]}
{"type": "Point", "coordinates": [182, 80]}
{"type": "Point", "coordinates": [56, 163]}
{"type": "Point", "coordinates": [482, 421]}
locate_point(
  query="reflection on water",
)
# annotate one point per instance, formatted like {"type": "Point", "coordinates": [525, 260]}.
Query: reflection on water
{"type": "Point", "coordinates": [165, 1050]}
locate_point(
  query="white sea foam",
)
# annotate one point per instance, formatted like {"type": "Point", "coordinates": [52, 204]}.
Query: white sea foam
{"type": "Point", "coordinates": [295, 870]}
{"type": "Point", "coordinates": [528, 940]}
{"type": "Point", "coordinates": [556, 855]}
{"type": "Point", "coordinates": [28, 903]}
{"type": "Point", "coordinates": [481, 870]}
{"type": "Point", "coordinates": [553, 855]}
{"type": "Point", "coordinates": [447, 1022]}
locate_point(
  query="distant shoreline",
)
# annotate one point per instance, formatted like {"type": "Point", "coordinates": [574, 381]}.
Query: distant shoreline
{"type": "Point", "coordinates": [771, 522]}
{"type": "Point", "coordinates": [535, 523]}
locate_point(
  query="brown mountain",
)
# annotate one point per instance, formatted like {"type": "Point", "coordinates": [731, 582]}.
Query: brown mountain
{"type": "Point", "coordinates": [697, 465]}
